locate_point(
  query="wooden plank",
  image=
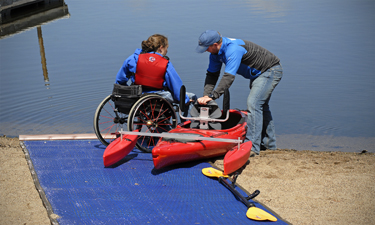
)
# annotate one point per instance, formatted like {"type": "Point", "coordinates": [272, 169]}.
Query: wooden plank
{"type": "Point", "coordinates": [56, 137]}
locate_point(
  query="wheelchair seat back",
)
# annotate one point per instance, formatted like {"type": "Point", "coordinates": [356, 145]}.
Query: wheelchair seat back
{"type": "Point", "coordinates": [125, 96]}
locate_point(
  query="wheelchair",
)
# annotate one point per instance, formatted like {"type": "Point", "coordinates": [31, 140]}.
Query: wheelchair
{"type": "Point", "coordinates": [128, 109]}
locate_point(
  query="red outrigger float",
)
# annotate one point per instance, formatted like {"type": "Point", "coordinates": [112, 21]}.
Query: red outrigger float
{"type": "Point", "coordinates": [118, 149]}
{"type": "Point", "coordinates": [209, 133]}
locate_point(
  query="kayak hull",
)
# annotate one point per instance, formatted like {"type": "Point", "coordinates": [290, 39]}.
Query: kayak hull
{"type": "Point", "coordinates": [118, 149]}
{"type": "Point", "coordinates": [168, 152]}
{"type": "Point", "coordinates": [237, 157]}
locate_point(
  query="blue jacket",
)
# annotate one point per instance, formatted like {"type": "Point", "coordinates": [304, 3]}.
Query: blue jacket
{"type": "Point", "coordinates": [172, 80]}
{"type": "Point", "coordinates": [242, 57]}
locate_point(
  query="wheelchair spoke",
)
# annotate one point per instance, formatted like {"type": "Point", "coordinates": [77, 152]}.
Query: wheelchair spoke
{"type": "Point", "coordinates": [165, 119]}
{"type": "Point", "coordinates": [108, 121]}
{"type": "Point", "coordinates": [108, 130]}
{"type": "Point", "coordinates": [152, 108]}
{"type": "Point", "coordinates": [154, 114]}
{"type": "Point", "coordinates": [160, 111]}
{"type": "Point", "coordinates": [165, 129]}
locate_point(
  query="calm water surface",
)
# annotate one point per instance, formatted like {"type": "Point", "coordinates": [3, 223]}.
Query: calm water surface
{"type": "Point", "coordinates": [325, 101]}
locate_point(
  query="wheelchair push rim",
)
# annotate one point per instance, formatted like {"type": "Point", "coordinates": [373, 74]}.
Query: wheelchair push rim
{"type": "Point", "coordinates": [108, 121]}
{"type": "Point", "coordinates": [154, 114]}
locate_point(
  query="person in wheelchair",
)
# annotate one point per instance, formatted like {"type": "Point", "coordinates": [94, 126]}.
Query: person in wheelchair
{"type": "Point", "coordinates": [151, 68]}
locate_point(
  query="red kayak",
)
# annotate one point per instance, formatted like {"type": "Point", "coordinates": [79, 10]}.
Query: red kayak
{"type": "Point", "coordinates": [237, 157]}
{"type": "Point", "coordinates": [118, 149]}
{"type": "Point", "coordinates": [172, 151]}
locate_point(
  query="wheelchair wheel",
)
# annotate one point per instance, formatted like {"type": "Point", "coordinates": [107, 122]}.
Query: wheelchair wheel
{"type": "Point", "coordinates": [108, 121]}
{"type": "Point", "coordinates": [153, 114]}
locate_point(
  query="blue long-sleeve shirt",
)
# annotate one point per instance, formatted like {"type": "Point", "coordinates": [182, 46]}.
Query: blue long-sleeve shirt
{"type": "Point", "coordinates": [242, 57]}
{"type": "Point", "coordinates": [172, 80]}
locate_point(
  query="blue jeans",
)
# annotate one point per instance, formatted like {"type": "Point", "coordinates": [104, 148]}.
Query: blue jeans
{"type": "Point", "coordinates": [168, 96]}
{"type": "Point", "coordinates": [261, 129]}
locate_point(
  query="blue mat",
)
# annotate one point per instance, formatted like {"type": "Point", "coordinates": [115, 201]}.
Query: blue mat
{"type": "Point", "coordinates": [81, 191]}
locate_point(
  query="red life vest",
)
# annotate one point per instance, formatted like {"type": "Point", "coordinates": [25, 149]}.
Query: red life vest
{"type": "Point", "coordinates": [151, 70]}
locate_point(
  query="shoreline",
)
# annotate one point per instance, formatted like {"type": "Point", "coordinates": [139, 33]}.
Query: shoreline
{"type": "Point", "coordinates": [302, 187]}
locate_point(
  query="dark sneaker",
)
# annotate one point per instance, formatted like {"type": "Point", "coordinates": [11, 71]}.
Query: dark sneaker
{"type": "Point", "coordinates": [253, 154]}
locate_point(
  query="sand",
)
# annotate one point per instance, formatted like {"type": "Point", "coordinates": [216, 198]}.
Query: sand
{"type": "Point", "coordinates": [302, 187]}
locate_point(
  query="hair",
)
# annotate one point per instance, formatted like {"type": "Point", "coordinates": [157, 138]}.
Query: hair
{"type": "Point", "coordinates": [153, 43]}
{"type": "Point", "coordinates": [221, 39]}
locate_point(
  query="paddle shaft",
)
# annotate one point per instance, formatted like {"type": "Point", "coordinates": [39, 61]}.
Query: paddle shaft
{"type": "Point", "coordinates": [182, 136]}
{"type": "Point", "coordinates": [236, 193]}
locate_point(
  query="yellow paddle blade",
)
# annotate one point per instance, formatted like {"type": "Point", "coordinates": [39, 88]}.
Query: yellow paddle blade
{"type": "Point", "coordinates": [255, 213]}
{"type": "Point", "coordinates": [212, 172]}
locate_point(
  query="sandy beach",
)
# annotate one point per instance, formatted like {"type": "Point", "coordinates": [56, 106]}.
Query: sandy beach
{"type": "Point", "coordinates": [302, 187]}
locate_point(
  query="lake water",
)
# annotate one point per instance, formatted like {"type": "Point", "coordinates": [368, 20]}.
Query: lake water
{"type": "Point", "coordinates": [325, 101]}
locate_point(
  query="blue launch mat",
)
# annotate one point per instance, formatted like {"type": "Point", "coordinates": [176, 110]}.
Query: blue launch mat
{"type": "Point", "coordinates": [75, 185]}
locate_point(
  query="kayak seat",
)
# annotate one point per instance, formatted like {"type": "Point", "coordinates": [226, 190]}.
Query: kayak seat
{"type": "Point", "coordinates": [211, 110]}
{"type": "Point", "coordinates": [234, 119]}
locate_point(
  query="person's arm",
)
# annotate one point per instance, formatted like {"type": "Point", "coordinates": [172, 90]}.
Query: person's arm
{"type": "Point", "coordinates": [210, 82]}
{"type": "Point", "coordinates": [174, 83]}
{"type": "Point", "coordinates": [128, 69]}
{"type": "Point", "coordinates": [121, 75]}
{"type": "Point", "coordinates": [212, 75]}
{"type": "Point", "coordinates": [232, 64]}
{"type": "Point", "coordinates": [225, 82]}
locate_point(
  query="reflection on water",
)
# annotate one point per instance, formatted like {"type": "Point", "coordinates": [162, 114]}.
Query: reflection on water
{"type": "Point", "coordinates": [18, 16]}
{"type": "Point", "coordinates": [43, 55]}
{"type": "Point", "coordinates": [271, 9]}
{"type": "Point", "coordinates": [324, 102]}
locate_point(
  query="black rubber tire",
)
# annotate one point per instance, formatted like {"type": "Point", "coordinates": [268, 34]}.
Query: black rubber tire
{"type": "Point", "coordinates": [151, 113]}
{"type": "Point", "coordinates": [108, 122]}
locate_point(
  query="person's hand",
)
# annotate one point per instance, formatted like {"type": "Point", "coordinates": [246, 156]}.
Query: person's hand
{"type": "Point", "coordinates": [189, 102]}
{"type": "Point", "coordinates": [203, 100]}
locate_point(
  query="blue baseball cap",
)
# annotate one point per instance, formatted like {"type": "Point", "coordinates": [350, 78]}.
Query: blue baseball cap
{"type": "Point", "coordinates": [207, 38]}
